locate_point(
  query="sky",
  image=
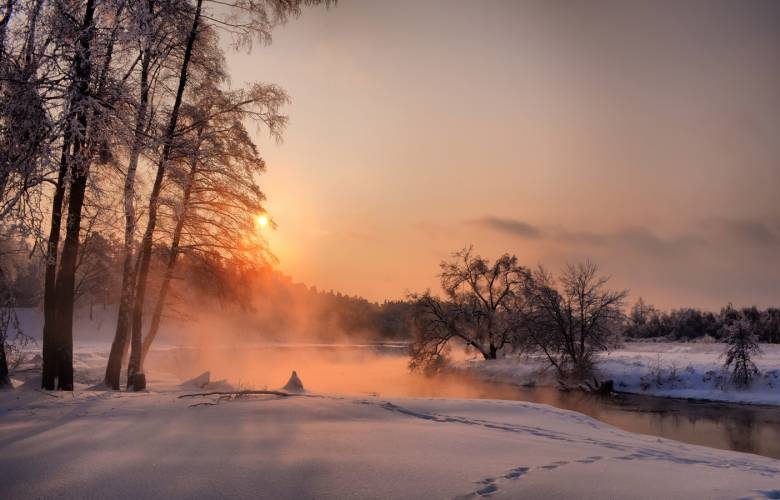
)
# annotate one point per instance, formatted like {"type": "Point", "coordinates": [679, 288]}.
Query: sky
{"type": "Point", "coordinates": [644, 136]}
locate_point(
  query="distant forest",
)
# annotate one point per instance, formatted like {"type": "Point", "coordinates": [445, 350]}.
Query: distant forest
{"type": "Point", "coordinates": [271, 302]}
{"type": "Point", "coordinates": [646, 322]}
{"type": "Point", "coordinates": [275, 305]}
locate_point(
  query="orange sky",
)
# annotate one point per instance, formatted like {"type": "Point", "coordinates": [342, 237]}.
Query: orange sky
{"type": "Point", "coordinates": [645, 135]}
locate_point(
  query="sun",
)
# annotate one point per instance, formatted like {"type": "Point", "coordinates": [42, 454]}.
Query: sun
{"type": "Point", "coordinates": [262, 220]}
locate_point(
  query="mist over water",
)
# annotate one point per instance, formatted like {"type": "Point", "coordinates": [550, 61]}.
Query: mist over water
{"type": "Point", "coordinates": [344, 369]}
{"type": "Point", "coordinates": [381, 370]}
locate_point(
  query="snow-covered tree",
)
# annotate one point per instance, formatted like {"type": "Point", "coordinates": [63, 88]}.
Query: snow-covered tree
{"type": "Point", "coordinates": [217, 199]}
{"type": "Point", "coordinates": [742, 346]}
{"type": "Point", "coordinates": [71, 73]}
{"type": "Point", "coordinates": [245, 21]}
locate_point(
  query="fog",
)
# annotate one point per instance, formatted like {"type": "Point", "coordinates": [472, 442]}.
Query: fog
{"type": "Point", "coordinates": [357, 369]}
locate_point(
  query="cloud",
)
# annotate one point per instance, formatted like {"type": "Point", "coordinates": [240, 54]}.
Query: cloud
{"type": "Point", "coordinates": [750, 232]}
{"type": "Point", "coordinates": [511, 226]}
{"type": "Point", "coordinates": [637, 238]}
{"type": "Point", "coordinates": [707, 264]}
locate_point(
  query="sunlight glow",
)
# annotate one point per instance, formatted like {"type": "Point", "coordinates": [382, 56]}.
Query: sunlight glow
{"type": "Point", "coordinates": [262, 220]}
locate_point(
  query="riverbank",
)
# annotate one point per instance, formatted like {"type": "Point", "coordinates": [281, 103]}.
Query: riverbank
{"type": "Point", "coordinates": [677, 370]}
{"type": "Point", "coordinates": [95, 443]}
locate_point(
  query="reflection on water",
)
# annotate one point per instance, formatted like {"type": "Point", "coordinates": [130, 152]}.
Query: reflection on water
{"type": "Point", "coordinates": [381, 371]}
{"type": "Point", "coordinates": [752, 429]}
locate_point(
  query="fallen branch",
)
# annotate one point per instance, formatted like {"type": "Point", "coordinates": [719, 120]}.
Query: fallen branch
{"type": "Point", "coordinates": [238, 393]}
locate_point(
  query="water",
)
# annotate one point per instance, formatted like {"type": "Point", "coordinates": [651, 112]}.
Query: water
{"type": "Point", "coordinates": [381, 371]}
{"type": "Point", "coordinates": [746, 428]}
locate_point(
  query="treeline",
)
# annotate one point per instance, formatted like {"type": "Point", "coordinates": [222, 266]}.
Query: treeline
{"type": "Point", "coordinates": [117, 118]}
{"type": "Point", "coordinates": [269, 303]}
{"type": "Point", "coordinates": [494, 307]}
{"type": "Point", "coordinates": [646, 322]}
{"type": "Point", "coordinates": [287, 310]}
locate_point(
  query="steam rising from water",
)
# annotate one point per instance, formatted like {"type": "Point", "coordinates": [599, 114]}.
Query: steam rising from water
{"type": "Point", "coordinates": [243, 349]}
{"type": "Point", "coordinates": [331, 369]}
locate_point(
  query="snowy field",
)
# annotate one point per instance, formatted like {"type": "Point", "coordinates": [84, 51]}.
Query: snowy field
{"type": "Point", "coordinates": [375, 443]}
{"type": "Point", "coordinates": [680, 370]}
{"type": "Point", "coordinates": [101, 444]}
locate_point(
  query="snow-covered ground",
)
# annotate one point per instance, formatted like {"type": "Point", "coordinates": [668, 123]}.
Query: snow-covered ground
{"type": "Point", "coordinates": [102, 444]}
{"type": "Point", "coordinates": [680, 370]}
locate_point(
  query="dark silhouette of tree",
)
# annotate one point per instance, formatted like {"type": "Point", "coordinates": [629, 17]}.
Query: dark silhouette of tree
{"type": "Point", "coordinates": [571, 320]}
{"type": "Point", "coordinates": [742, 346]}
{"type": "Point", "coordinates": [479, 308]}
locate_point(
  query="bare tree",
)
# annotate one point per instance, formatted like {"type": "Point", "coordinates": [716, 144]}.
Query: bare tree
{"type": "Point", "coordinates": [479, 308]}
{"type": "Point", "coordinates": [70, 73]}
{"type": "Point", "coordinates": [219, 198]}
{"type": "Point", "coordinates": [60, 284]}
{"type": "Point", "coordinates": [244, 20]}
{"type": "Point", "coordinates": [153, 23]}
{"type": "Point", "coordinates": [570, 321]}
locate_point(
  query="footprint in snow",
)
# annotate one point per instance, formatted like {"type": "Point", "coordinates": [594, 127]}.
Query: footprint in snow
{"type": "Point", "coordinates": [763, 495]}
{"type": "Point", "coordinates": [489, 486]}
{"type": "Point", "coordinates": [488, 489]}
{"type": "Point", "coordinates": [554, 465]}
{"type": "Point", "coordinates": [516, 472]}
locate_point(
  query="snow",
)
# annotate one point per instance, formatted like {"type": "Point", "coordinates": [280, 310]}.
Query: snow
{"type": "Point", "coordinates": [294, 384]}
{"type": "Point", "coordinates": [679, 370]}
{"type": "Point", "coordinates": [103, 444]}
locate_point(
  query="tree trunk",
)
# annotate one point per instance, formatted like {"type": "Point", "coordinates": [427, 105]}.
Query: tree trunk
{"type": "Point", "coordinates": [66, 278]}
{"type": "Point", "coordinates": [5, 381]}
{"type": "Point", "coordinates": [49, 347]}
{"type": "Point", "coordinates": [61, 331]}
{"type": "Point", "coordinates": [172, 255]}
{"type": "Point", "coordinates": [7, 321]}
{"type": "Point", "coordinates": [491, 353]}
{"type": "Point", "coordinates": [121, 336]}
{"type": "Point", "coordinates": [50, 341]}
{"type": "Point", "coordinates": [144, 257]}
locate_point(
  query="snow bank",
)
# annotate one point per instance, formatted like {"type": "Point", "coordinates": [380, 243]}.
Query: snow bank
{"type": "Point", "coordinates": [155, 445]}
{"type": "Point", "coordinates": [680, 370]}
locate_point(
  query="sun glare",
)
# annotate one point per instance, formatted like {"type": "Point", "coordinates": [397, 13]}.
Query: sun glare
{"type": "Point", "coordinates": [262, 220]}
